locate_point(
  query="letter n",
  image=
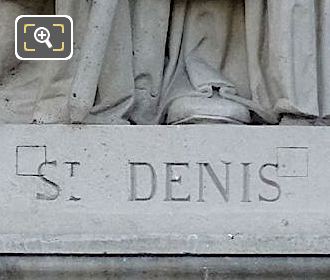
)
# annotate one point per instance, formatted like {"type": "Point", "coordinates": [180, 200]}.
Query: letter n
{"type": "Point", "coordinates": [224, 191]}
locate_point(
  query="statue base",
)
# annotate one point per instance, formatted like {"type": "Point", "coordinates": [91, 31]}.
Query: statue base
{"type": "Point", "coordinates": [210, 189]}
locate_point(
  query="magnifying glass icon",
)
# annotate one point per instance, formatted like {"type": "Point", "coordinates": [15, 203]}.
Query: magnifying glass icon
{"type": "Point", "coordinates": [42, 35]}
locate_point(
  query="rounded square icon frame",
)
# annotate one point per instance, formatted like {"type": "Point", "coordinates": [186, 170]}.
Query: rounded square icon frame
{"type": "Point", "coordinates": [39, 16]}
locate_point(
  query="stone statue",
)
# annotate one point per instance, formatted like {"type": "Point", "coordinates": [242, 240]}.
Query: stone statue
{"type": "Point", "coordinates": [175, 62]}
{"type": "Point", "coordinates": [19, 81]}
{"type": "Point", "coordinates": [179, 63]}
{"type": "Point", "coordinates": [167, 82]}
{"type": "Point", "coordinates": [283, 51]}
{"type": "Point", "coordinates": [269, 50]}
{"type": "Point", "coordinates": [104, 93]}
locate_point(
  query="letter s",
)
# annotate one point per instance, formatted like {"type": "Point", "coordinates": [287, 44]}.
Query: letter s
{"type": "Point", "coordinates": [270, 183]}
{"type": "Point", "coordinates": [53, 185]}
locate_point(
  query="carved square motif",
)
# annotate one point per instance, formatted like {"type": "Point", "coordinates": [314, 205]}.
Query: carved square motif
{"type": "Point", "coordinates": [292, 161]}
{"type": "Point", "coordinates": [28, 159]}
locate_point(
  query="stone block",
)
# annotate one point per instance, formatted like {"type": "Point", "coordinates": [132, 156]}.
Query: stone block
{"type": "Point", "coordinates": [292, 162]}
{"type": "Point", "coordinates": [164, 190]}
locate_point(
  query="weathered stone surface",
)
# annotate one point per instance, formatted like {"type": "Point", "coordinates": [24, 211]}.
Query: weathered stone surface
{"type": "Point", "coordinates": [153, 189]}
{"type": "Point", "coordinates": [154, 268]}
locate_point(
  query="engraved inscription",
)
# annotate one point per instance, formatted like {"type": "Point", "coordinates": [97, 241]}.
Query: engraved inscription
{"type": "Point", "coordinates": [151, 173]}
{"type": "Point", "coordinates": [184, 182]}
{"type": "Point", "coordinates": [172, 179]}
{"type": "Point", "coordinates": [246, 182]}
{"type": "Point", "coordinates": [224, 191]}
{"type": "Point", "coordinates": [73, 165]}
{"type": "Point", "coordinates": [31, 161]}
{"type": "Point", "coordinates": [269, 183]}
{"type": "Point", "coordinates": [54, 188]}
{"type": "Point", "coordinates": [144, 185]}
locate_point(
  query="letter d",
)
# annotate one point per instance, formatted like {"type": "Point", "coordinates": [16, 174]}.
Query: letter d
{"type": "Point", "coordinates": [133, 175]}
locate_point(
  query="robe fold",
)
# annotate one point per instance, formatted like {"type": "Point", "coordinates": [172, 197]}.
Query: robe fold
{"type": "Point", "coordinates": [272, 56]}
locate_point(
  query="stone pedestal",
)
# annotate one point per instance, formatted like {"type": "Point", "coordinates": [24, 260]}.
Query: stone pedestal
{"type": "Point", "coordinates": [164, 190]}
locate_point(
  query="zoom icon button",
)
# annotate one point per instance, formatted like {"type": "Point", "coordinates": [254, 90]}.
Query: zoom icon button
{"type": "Point", "coordinates": [44, 37]}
